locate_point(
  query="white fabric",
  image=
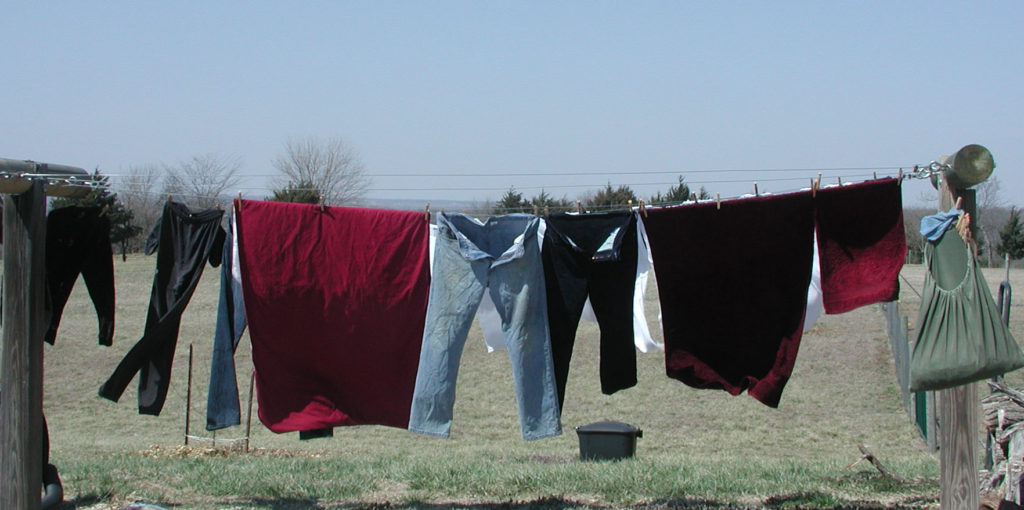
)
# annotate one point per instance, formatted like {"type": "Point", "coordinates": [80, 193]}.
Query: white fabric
{"type": "Point", "coordinates": [815, 305]}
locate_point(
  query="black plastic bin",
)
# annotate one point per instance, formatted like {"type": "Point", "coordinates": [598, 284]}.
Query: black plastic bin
{"type": "Point", "coordinates": [607, 440]}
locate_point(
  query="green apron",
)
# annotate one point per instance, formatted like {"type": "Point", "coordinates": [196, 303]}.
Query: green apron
{"type": "Point", "coordinates": [961, 337]}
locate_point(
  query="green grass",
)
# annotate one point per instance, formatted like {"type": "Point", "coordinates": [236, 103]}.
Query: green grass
{"type": "Point", "coordinates": [700, 448]}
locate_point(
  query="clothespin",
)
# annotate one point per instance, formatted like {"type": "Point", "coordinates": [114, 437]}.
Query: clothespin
{"type": "Point", "coordinates": [874, 175]}
{"type": "Point", "coordinates": [899, 175]}
{"type": "Point", "coordinates": [814, 192]}
{"type": "Point", "coordinates": [839, 179]}
{"type": "Point", "coordinates": [718, 201]}
{"type": "Point", "coordinates": [693, 196]}
{"type": "Point", "coordinates": [103, 210]}
{"type": "Point", "coordinates": [817, 183]}
{"type": "Point", "coordinates": [756, 194]}
{"type": "Point", "coordinates": [630, 204]}
{"type": "Point", "coordinates": [579, 207]}
{"type": "Point", "coordinates": [320, 202]}
{"type": "Point", "coordinates": [428, 212]}
{"type": "Point", "coordinates": [643, 210]}
{"type": "Point", "coordinates": [534, 209]}
{"type": "Point", "coordinates": [239, 199]}
{"type": "Point", "coordinates": [170, 198]}
{"type": "Point", "coordinates": [547, 210]}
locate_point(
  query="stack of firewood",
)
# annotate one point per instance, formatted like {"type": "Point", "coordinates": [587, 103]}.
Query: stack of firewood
{"type": "Point", "coordinates": [1004, 421]}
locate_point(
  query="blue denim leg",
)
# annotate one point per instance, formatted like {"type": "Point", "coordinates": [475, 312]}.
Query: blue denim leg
{"type": "Point", "coordinates": [455, 293]}
{"type": "Point", "coordinates": [222, 409]}
{"type": "Point", "coordinates": [502, 254]}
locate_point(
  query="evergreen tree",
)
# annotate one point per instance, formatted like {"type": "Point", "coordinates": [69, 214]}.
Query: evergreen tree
{"type": "Point", "coordinates": [512, 202]}
{"type": "Point", "coordinates": [1011, 236]}
{"type": "Point", "coordinates": [612, 198]}
{"type": "Point", "coordinates": [303, 192]}
{"type": "Point", "coordinates": [122, 228]}
{"type": "Point", "coordinates": [546, 204]}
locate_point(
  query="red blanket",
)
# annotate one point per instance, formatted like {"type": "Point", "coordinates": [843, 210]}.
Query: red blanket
{"type": "Point", "coordinates": [336, 300]}
{"type": "Point", "coordinates": [861, 243]}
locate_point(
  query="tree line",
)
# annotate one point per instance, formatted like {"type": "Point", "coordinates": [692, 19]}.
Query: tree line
{"type": "Point", "coordinates": [331, 172]}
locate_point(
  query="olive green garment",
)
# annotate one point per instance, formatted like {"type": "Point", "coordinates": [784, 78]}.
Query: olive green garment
{"type": "Point", "coordinates": [961, 337]}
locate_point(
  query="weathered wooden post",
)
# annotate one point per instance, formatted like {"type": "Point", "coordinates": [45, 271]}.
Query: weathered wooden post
{"type": "Point", "coordinates": [21, 353]}
{"type": "Point", "coordinates": [958, 407]}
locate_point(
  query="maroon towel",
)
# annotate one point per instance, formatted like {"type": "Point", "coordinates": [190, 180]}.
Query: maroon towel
{"type": "Point", "coordinates": [733, 289]}
{"type": "Point", "coordinates": [336, 300]}
{"type": "Point", "coordinates": [861, 243]}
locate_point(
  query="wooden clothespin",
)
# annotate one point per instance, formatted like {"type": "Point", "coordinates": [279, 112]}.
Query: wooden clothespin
{"type": "Point", "coordinates": [756, 194]}
{"type": "Point", "coordinates": [534, 209]}
{"type": "Point", "coordinates": [643, 210]}
{"type": "Point", "coordinates": [239, 199]}
{"type": "Point", "coordinates": [547, 210]}
{"type": "Point", "coordinates": [874, 175]}
{"type": "Point", "coordinates": [839, 180]}
{"type": "Point", "coordinates": [693, 196]}
{"type": "Point", "coordinates": [579, 207]}
{"type": "Point", "coordinates": [814, 192]}
{"type": "Point", "coordinates": [718, 201]}
{"type": "Point", "coordinates": [629, 202]}
{"type": "Point", "coordinates": [428, 212]}
{"type": "Point", "coordinates": [817, 183]}
{"type": "Point", "coordinates": [899, 175]}
{"type": "Point", "coordinates": [320, 202]}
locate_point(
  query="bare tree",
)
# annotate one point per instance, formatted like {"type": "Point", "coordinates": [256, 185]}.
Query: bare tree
{"type": "Point", "coordinates": [139, 191]}
{"type": "Point", "coordinates": [331, 165]}
{"type": "Point", "coordinates": [202, 180]}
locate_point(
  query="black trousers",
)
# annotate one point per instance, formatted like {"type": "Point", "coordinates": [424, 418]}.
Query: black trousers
{"type": "Point", "coordinates": [185, 241]}
{"type": "Point", "coordinates": [595, 255]}
{"type": "Point", "coordinates": [78, 242]}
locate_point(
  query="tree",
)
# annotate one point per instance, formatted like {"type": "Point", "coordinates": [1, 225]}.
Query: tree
{"type": "Point", "coordinates": [512, 202]}
{"type": "Point", "coordinates": [1011, 236]}
{"type": "Point", "coordinates": [122, 227]}
{"type": "Point", "coordinates": [546, 204]}
{"type": "Point", "coordinates": [203, 179]}
{"type": "Point", "coordinates": [679, 193]}
{"type": "Point", "coordinates": [611, 198]}
{"type": "Point", "coordinates": [304, 193]}
{"type": "Point", "coordinates": [331, 165]}
{"type": "Point", "coordinates": [138, 191]}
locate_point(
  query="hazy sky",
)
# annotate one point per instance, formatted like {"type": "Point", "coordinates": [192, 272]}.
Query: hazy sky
{"type": "Point", "coordinates": [450, 100]}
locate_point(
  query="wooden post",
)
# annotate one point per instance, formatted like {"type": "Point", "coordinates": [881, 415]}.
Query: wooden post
{"type": "Point", "coordinates": [21, 376]}
{"type": "Point", "coordinates": [958, 408]}
{"type": "Point", "coordinates": [248, 418]}
{"type": "Point", "coordinates": [188, 395]}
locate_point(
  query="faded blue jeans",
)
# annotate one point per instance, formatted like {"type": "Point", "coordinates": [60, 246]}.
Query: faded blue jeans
{"type": "Point", "coordinates": [502, 257]}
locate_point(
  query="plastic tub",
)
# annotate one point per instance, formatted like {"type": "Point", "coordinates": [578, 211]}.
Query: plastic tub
{"type": "Point", "coordinates": [607, 440]}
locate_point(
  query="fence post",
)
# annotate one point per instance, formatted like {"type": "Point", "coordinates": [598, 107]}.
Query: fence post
{"type": "Point", "coordinates": [21, 376]}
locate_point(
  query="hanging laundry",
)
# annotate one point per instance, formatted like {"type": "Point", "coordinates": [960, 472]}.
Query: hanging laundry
{"type": "Point", "coordinates": [184, 241]}
{"type": "Point", "coordinates": [78, 242]}
{"type": "Point", "coordinates": [222, 409]}
{"type": "Point", "coordinates": [501, 257]}
{"type": "Point", "coordinates": [592, 255]}
{"type": "Point", "coordinates": [961, 337]}
{"type": "Point", "coordinates": [336, 298]}
{"type": "Point", "coordinates": [490, 322]}
{"type": "Point", "coordinates": [815, 306]}
{"type": "Point", "coordinates": [733, 288]}
{"type": "Point", "coordinates": [933, 226]}
{"type": "Point", "coordinates": [861, 243]}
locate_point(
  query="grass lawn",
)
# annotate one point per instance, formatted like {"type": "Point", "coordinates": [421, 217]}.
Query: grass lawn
{"type": "Point", "coordinates": [700, 448]}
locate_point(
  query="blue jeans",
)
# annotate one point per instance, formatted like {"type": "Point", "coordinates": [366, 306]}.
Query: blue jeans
{"type": "Point", "coordinates": [502, 257]}
{"type": "Point", "coordinates": [222, 409]}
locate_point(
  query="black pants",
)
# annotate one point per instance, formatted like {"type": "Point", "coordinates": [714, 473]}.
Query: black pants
{"type": "Point", "coordinates": [593, 254]}
{"type": "Point", "coordinates": [78, 241]}
{"type": "Point", "coordinates": [185, 241]}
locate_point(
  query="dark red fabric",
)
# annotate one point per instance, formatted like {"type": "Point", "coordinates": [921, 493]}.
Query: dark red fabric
{"type": "Point", "coordinates": [336, 300]}
{"type": "Point", "coordinates": [733, 289]}
{"type": "Point", "coordinates": [861, 243]}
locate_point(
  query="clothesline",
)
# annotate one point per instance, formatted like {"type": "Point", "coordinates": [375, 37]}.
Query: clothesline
{"type": "Point", "coordinates": [761, 190]}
